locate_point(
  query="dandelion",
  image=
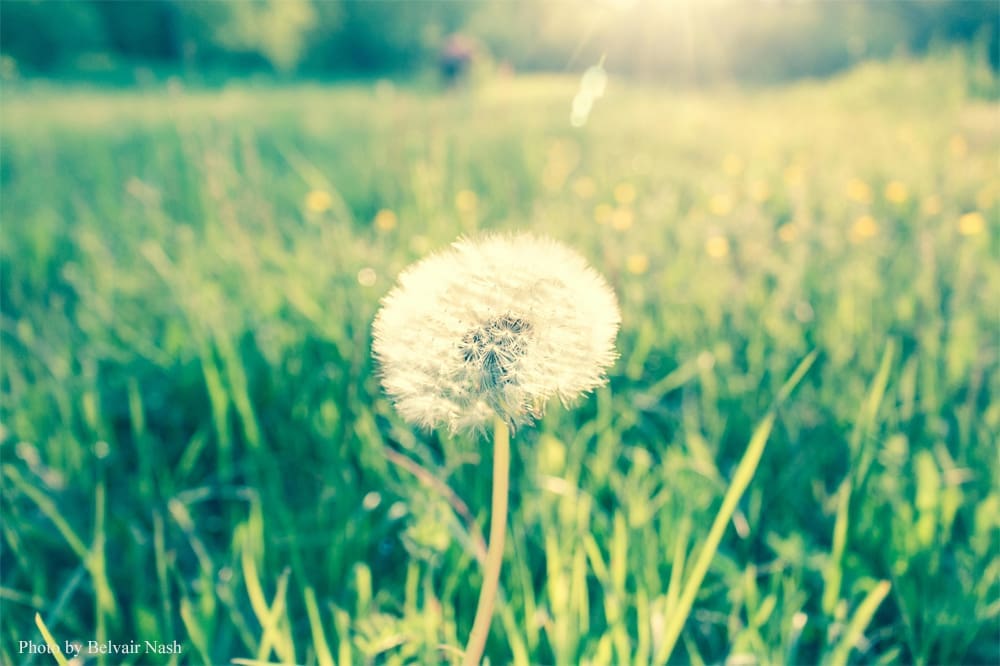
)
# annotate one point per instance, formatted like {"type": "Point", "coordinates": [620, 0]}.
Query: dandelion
{"type": "Point", "coordinates": [896, 192]}
{"type": "Point", "coordinates": [721, 205]}
{"type": "Point", "coordinates": [494, 325]}
{"type": "Point", "coordinates": [864, 228]}
{"type": "Point", "coordinates": [466, 202]}
{"type": "Point", "coordinates": [932, 205]}
{"type": "Point", "coordinates": [385, 220]}
{"type": "Point", "coordinates": [794, 175]}
{"type": "Point", "coordinates": [584, 187]}
{"type": "Point", "coordinates": [788, 232]}
{"type": "Point", "coordinates": [621, 219]}
{"type": "Point", "coordinates": [971, 224]}
{"type": "Point", "coordinates": [492, 329]}
{"type": "Point", "coordinates": [717, 246]}
{"type": "Point", "coordinates": [759, 191]}
{"type": "Point", "coordinates": [859, 191]}
{"type": "Point", "coordinates": [603, 213]}
{"type": "Point", "coordinates": [957, 146]}
{"type": "Point", "coordinates": [732, 165]}
{"type": "Point", "coordinates": [637, 264]}
{"type": "Point", "coordinates": [625, 193]}
{"type": "Point", "coordinates": [318, 201]}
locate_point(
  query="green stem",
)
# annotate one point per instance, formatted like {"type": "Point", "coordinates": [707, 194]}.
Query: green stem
{"type": "Point", "coordinates": [494, 555]}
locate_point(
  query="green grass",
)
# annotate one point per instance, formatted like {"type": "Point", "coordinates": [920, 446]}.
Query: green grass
{"type": "Point", "coordinates": [195, 445]}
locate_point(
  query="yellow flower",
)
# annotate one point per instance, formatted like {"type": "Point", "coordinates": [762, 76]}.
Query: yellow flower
{"type": "Point", "coordinates": [625, 193]}
{"type": "Point", "coordinates": [788, 232]}
{"type": "Point", "coordinates": [732, 165]}
{"type": "Point", "coordinates": [858, 190]}
{"type": "Point", "coordinates": [957, 146]}
{"type": "Point", "coordinates": [794, 175]}
{"type": "Point", "coordinates": [621, 219]}
{"type": "Point", "coordinates": [932, 205]}
{"type": "Point", "coordinates": [896, 192]}
{"type": "Point", "coordinates": [759, 191]}
{"type": "Point", "coordinates": [985, 197]}
{"type": "Point", "coordinates": [466, 201]}
{"type": "Point", "coordinates": [602, 213]}
{"type": "Point", "coordinates": [864, 227]}
{"type": "Point", "coordinates": [584, 187]}
{"type": "Point", "coordinates": [385, 220]}
{"type": "Point", "coordinates": [637, 264]}
{"type": "Point", "coordinates": [318, 201]}
{"type": "Point", "coordinates": [717, 246]}
{"type": "Point", "coordinates": [720, 204]}
{"type": "Point", "coordinates": [971, 224]}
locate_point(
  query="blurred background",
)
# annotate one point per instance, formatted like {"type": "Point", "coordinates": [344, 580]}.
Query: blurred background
{"type": "Point", "coordinates": [202, 203]}
{"type": "Point", "coordinates": [674, 41]}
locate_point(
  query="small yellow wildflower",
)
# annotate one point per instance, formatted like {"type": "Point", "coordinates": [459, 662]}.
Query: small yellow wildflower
{"type": "Point", "coordinates": [720, 204]}
{"type": "Point", "coordinates": [985, 197]}
{"type": "Point", "coordinates": [602, 213]}
{"type": "Point", "coordinates": [794, 175]}
{"type": "Point", "coordinates": [318, 201]}
{"type": "Point", "coordinates": [584, 187]}
{"type": "Point", "coordinates": [732, 165]}
{"type": "Point", "coordinates": [971, 224]}
{"type": "Point", "coordinates": [717, 246]}
{"type": "Point", "coordinates": [759, 191]}
{"type": "Point", "coordinates": [957, 146]}
{"type": "Point", "coordinates": [932, 205]}
{"type": "Point", "coordinates": [637, 264]}
{"type": "Point", "coordinates": [466, 201]}
{"type": "Point", "coordinates": [385, 220]}
{"type": "Point", "coordinates": [864, 227]}
{"type": "Point", "coordinates": [896, 192]}
{"type": "Point", "coordinates": [788, 232]}
{"type": "Point", "coordinates": [858, 190]}
{"type": "Point", "coordinates": [625, 193]}
{"type": "Point", "coordinates": [622, 218]}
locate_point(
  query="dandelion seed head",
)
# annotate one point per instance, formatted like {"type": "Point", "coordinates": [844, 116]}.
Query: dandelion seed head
{"type": "Point", "coordinates": [494, 325]}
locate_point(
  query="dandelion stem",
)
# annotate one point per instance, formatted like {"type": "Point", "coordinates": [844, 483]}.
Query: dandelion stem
{"type": "Point", "coordinates": [494, 555]}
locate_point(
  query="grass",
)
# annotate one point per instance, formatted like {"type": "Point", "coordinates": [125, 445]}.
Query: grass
{"type": "Point", "coordinates": [195, 446]}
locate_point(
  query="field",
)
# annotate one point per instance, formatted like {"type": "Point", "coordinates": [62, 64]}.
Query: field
{"type": "Point", "coordinates": [196, 447]}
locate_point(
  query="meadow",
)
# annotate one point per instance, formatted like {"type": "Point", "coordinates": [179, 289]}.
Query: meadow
{"type": "Point", "coordinates": [196, 448]}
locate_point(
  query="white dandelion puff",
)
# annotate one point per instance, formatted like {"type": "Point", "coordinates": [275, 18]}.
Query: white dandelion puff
{"type": "Point", "coordinates": [494, 325]}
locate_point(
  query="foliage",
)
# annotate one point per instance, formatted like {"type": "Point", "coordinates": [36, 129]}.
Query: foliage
{"type": "Point", "coordinates": [678, 40]}
{"type": "Point", "coordinates": [195, 447]}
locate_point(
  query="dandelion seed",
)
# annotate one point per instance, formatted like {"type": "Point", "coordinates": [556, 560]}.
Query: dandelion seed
{"type": "Point", "coordinates": [385, 220]}
{"type": "Point", "coordinates": [971, 224]}
{"type": "Point", "coordinates": [367, 276]}
{"type": "Point", "coordinates": [717, 247]}
{"type": "Point", "coordinates": [318, 201]}
{"type": "Point", "coordinates": [496, 325]}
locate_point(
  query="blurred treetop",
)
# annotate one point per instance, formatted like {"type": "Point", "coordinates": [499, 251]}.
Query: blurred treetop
{"type": "Point", "coordinates": [679, 40]}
